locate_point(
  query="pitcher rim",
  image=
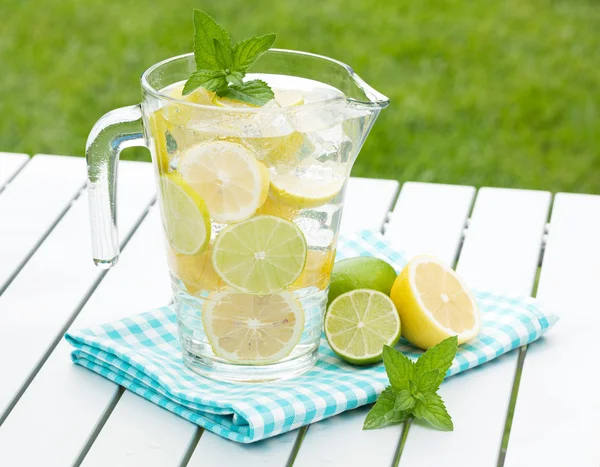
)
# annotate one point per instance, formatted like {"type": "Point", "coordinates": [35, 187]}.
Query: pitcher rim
{"type": "Point", "coordinates": [379, 100]}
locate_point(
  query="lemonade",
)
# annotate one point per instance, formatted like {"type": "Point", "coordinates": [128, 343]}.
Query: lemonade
{"type": "Point", "coordinates": [272, 181]}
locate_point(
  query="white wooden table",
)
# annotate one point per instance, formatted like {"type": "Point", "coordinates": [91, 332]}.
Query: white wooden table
{"type": "Point", "coordinates": [53, 413]}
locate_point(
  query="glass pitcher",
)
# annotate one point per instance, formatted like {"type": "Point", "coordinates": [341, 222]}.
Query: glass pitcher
{"type": "Point", "coordinates": [251, 200]}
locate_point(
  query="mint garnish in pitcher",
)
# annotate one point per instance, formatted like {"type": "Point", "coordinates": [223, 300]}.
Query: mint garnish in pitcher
{"type": "Point", "coordinates": [221, 66]}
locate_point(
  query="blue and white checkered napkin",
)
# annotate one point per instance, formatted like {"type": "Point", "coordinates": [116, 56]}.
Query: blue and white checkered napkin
{"type": "Point", "coordinates": [142, 354]}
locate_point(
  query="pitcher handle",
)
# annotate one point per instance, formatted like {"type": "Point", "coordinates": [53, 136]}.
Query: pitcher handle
{"type": "Point", "coordinates": [117, 130]}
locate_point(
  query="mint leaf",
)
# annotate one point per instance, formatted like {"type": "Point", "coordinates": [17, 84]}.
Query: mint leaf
{"type": "Point", "coordinates": [235, 77]}
{"type": "Point", "coordinates": [246, 52]}
{"type": "Point", "coordinates": [432, 409]}
{"type": "Point", "coordinates": [211, 80]}
{"type": "Point", "coordinates": [428, 382]}
{"type": "Point", "coordinates": [439, 357]}
{"type": "Point", "coordinates": [400, 369]}
{"type": "Point", "coordinates": [414, 387]}
{"type": "Point", "coordinates": [383, 413]}
{"type": "Point", "coordinates": [404, 400]}
{"type": "Point", "coordinates": [223, 55]}
{"type": "Point", "coordinates": [206, 30]}
{"type": "Point", "coordinates": [221, 67]}
{"type": "Point", "coordinates": [255, 92]}
{"type": "Point", "coordinates": [171, 142]}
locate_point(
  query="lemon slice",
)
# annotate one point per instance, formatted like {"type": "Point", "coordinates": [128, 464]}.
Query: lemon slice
{"type": "Point", "coordinates": [250, 329]}
{"type": "Point", "coordinates": [185, 217]}
{"type": "Point", "coordinates": [288, 98]}
{"type": "Point", "coordinates": [196, 272]}
{"type": "Point", "coordinates": [228, 177]}
{"type": "Point", "coordinates": [159, 129]}
{"type": "Point", "coordinates": [309, 184]}
{"type": "Point", "coordinates": [317, 270]}
{"type": "Point", "coordinates": [359, 323]}
{"type": "Point", "coordinates": [433, 303]}
{"type": "Point", "coordinates": [226, 102]}
{"type": "Point", "coordinates": [261, 255]}
{"type": "Point", "coordinates": [180, 113]}
{"type": "Point", "coordinates": [272, 207]}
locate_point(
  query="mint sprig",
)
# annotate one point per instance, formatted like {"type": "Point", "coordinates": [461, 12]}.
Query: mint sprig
{"type": "Point", "coordinates": [221, 66]}
{"type": "Point", "coordinates": [414, 386]}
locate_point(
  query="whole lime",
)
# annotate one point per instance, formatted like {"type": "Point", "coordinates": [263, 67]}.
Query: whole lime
{"type": "Point", "coordinates": [362, 272]}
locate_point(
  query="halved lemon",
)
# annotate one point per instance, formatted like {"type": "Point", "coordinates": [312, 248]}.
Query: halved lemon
{"type": "Point", "coordinates": [262, 255]}
{"type": "Point", "coordinates": [309, 184]}
{"type": "Point", "coordinates": [185, 216]}
{"type": "Point", "coordinates": [250, 329]}
{"type": "Point", "coordinates": [434, 303]}
{"type": "Point", "coordinates": [228, 177]}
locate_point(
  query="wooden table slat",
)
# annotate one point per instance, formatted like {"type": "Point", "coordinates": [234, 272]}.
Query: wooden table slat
{"type": "Point", "coordinates": [10, 164]}
{"type": "Point", "coordinates": [556, 420]}
{"type": "Point", "coordinates": [340, 440]}
{"type": "Point", "coordinates": [500, 252]}
{"type": "Point", "coordinates": [422, 210]}
{"type": "Point", "coordinates": [36, 307]}
{"type": "Point", "coordinates": [31, 204]}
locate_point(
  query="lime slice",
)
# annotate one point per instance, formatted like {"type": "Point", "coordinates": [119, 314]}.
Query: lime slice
{"type": "Point", "coordinates": [252, 329]}
{"type": "Point", "coordinates": [185, 216]}
{"type": "Point", "coordinates": [309, 184]}
{"type": "Point", "coordinates": [261, 255]}
{"type": "Point", "coordinates": [434, 303]}
{"type": "Point", "coordinates": [359, 323]}
{"type": "Point", "coordinates": [228, 177]}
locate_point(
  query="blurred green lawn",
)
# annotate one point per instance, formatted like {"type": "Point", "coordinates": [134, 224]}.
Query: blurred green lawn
{"type": "Point", "coordinates": [497, 93]}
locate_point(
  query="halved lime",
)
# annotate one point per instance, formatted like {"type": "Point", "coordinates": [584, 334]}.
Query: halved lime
{"type": "Point", "coordinates": [359, 323]}
{"type": "Point", "coordinates": [261, 255]}
{"type": "Point", "coordinates": [185, 216]}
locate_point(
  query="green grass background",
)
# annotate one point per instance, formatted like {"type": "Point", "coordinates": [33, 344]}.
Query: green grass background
{"type": "Point", "coordinates": [496, 93]}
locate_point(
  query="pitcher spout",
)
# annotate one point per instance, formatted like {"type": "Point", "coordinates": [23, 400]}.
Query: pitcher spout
{"type": "Point", "coordinates": [367, 96]}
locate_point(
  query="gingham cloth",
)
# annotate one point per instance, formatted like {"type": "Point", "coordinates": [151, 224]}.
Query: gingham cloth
{"type": "Point", "coordinates": [142, 354]}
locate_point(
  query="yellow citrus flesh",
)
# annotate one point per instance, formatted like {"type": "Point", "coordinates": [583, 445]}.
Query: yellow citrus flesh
{"type": "Point", "coordinates": [226, 102]}
{"type": "Point", "coordinates": [159, 129]}
{"type": "Point", "coordinates": [283, 149]}
{"type": "Point", "coordinates": [317, 270]}
{"type": "Point", "coordinates": [252, 329]}
{"type": "Point", "coordinates": [195, 271]}
{"type": "Point", "coordinates": [433, 303]}
{"type": "Point", "coordinates": [228, 177]}
{"type": "Point", "coordinates": [308, 184]}
{"type": "Point", "coordinates": [179, 113]}
{"type": "Point", "coordinates": [288, 98]}
{"type": "Point", "coordinates": [272, 207]}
